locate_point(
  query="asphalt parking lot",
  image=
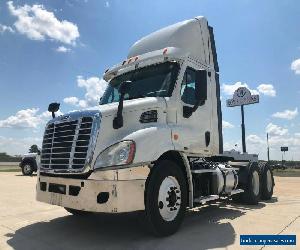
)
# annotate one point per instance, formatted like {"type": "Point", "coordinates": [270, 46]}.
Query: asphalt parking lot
{"type": "Point", "coordinates": [28, 224]}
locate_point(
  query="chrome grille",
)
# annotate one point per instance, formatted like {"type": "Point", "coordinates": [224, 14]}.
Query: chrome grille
{"type": "Point", "coordinates": [66, 145]}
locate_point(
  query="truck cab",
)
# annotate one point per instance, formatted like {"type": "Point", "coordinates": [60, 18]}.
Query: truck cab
{"type": "Point", "coordinates": [155, 142]}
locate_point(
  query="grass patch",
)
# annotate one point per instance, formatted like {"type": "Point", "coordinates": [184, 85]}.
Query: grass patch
{"type": "Point", "coordinates": [10, 170]}
{"type": "Point", "coordinates": [287, 173]}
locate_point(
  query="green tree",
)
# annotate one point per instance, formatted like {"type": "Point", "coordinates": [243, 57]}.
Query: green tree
{"type": "Point", "coordinates": [34, 149]}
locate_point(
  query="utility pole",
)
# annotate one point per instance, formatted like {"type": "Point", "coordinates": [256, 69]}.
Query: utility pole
{"type": "Point", "coordinates": [268, 147]}
{"type": "Point", "coordinates": [243, 130]}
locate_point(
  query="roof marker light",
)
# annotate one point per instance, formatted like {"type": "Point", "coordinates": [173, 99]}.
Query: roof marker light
{"type": "Point", "coordinates": [123, 62]}
{"type": "Point", "coordinates": [129, 60]}
{"type": "Point", "coordinates": [165, 51]}
{"type": "Point", "coordinates": [136, 58]}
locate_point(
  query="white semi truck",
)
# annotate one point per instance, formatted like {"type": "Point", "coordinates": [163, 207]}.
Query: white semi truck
{"type": "Point", "coordinates": [154, 144]}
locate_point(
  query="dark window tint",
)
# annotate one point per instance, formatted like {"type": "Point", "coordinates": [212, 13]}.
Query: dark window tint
{"type": "Point", "coordinates": [154, 80]}
{"type": "Point", "coordinates": [188, 87]}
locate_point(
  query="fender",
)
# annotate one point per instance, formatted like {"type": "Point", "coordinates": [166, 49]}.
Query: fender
{"type": "Point", "coordinates": [147, 141]}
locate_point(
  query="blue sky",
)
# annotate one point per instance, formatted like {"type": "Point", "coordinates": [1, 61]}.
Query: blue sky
{"type": "Point", "coordinates": [58, 50]}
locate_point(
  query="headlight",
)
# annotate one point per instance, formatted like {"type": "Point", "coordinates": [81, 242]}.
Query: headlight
{"type": "Point", "coordinates": [121, 153]}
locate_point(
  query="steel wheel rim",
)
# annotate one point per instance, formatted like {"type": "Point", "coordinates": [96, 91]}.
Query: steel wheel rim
{"type": "Point", "coordinates": [169, 198]}
{"type": "Point", "coordinates": [269, 181]}
{"type": "Point", "coordinates": [27, 168]}
{"type": "Point", "coordinates": [255, 182]}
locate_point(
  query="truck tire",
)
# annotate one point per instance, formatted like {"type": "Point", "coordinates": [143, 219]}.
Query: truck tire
{"type": "Point", "coordinates": [165, 199]}
{"type": "Point", "coordinates": [267, 183]}
{"type": "Point", "coordinates": [77, 212]}
{"type": "Point", "coordinates": [252, 190]}
{"type": "Point", "coordinates": [27, 168]}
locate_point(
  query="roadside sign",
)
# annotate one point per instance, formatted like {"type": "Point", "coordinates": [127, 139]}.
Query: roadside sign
{"type": "Point", "coordinates": [242, 96]}
{"type": "Point", "coordinates": [284, 149]}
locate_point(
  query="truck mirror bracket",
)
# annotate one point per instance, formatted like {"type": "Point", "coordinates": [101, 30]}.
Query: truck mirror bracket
{"type": "Point", "coordinates": [123, 89]}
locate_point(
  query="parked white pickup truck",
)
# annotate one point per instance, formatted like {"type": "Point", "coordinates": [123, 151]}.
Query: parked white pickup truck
{"type": "Point", "coordinates": [29, 163]}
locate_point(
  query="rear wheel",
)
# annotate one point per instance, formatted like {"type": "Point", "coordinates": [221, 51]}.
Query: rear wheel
{"type": "Point", "coordinates": [267, 183]}
{"type": "Point", "coordinates": [27, 168]}
{"type": "Point", "coordinates": [251, 193]}
{"type": "Point", "coordinates": [166, 198]}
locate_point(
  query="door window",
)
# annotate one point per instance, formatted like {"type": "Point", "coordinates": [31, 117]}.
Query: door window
{"type": "Point", "coordinates": [188, 87]}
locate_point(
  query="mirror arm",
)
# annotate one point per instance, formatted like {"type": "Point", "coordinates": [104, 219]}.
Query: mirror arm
{"type": "Point", "coordinates": [118, 120]}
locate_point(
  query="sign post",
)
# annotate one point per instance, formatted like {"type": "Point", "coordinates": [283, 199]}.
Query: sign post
{"type": "Point", "coordinates": [242, 96]}
{"type": "Point", "coordinates": [283, 149]}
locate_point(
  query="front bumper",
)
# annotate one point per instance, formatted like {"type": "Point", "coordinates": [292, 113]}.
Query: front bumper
{"type": "Point", "coordinates": [107, 195]}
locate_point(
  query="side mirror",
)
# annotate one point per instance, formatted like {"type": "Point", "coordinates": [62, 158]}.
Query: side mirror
{"type": "Point", "coordinates": [123, 89]}
{"type": "Point", "coordinates": [200, 93]}
{"type": "Point", "coordinates": [53, 107]}
{"type": "Point", "coordinates": [201, 86]}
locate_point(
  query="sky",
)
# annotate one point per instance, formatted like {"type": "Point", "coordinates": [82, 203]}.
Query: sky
{"type": "Point", "coordinates": [58, 50]}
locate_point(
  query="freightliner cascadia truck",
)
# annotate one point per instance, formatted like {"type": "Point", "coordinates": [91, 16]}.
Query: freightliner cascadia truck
{"type": "Point", "coordinates": [155, 143]}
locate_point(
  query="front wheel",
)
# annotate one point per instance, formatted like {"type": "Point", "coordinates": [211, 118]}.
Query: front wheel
{"type": "Point", "coordinates": [27, 168]}
{"type": "Point", "coordinates": [166, 198]}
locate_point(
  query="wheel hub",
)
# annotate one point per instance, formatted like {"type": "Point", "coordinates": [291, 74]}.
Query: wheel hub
{"type": "Point", "coordinates": [255, 183]}
{"type": "Point", "coordinates": [169, 198]}
{"type": "Point", "coordinates": [27, 168]}
{"type": "Point", "coordinates": [269, 181]}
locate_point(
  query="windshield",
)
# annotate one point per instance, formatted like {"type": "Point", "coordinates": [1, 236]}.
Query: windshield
{"type": "Point", "coordinates": [154, 80]}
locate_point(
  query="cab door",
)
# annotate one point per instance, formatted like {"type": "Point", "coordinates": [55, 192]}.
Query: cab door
{"type": "Point", "coordinates": [193, 133]}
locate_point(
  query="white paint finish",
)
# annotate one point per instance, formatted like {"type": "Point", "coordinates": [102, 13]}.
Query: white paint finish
{"type": "Point", "coordinates": [189, 35]}
{"type": "Point", "coordinates": [191, 131]}
{"type": "Point", "coordinates": [133, 173]}
{"type": "Point", "coordinates": [147, 136]}
{"type": "Point", "coordinates": [120, 195]}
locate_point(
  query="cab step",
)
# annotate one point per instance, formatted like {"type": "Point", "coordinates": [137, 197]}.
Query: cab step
{"type": "Point", "coordinates": [204, 199]}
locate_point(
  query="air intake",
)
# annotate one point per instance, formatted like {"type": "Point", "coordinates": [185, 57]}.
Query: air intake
{"type": "Point", "coordinates": [149, 116]}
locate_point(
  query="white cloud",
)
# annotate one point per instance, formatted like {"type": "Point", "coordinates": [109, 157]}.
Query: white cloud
{"type": "Point", "coordinates": [267, 89]}
{"type": "Point", "coordinates": [255, 140]}
{"type": "Point", "coordinates": [94, 88]}
{"type": "Point", "coordinates": [4, 28]}
{"type": "Point", "coordinates": [286, 114]}
{"type": "Point", "coordinates": [295, 66]}
{"type": "Point", "coordinates": [38, 24]}
{"type": "Point", "coordinates": [107, 4]}
{"type": "Point", "coordinates": [257, 144]}
{"type": "Point", "coordinates": [226, 124]}
{"type": "Point", "coordinates": [63, 49]}
{"type": "Point", "coordinates": [71, 100]}
{"type": "Point", "coordinates": [26, 118]}
{"type": "Point", "coordinates": [274, 129]}
{"type": "Point", "coordinates": [18, 146]}
{"type": "Point", "coordinates": [229, 89]}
